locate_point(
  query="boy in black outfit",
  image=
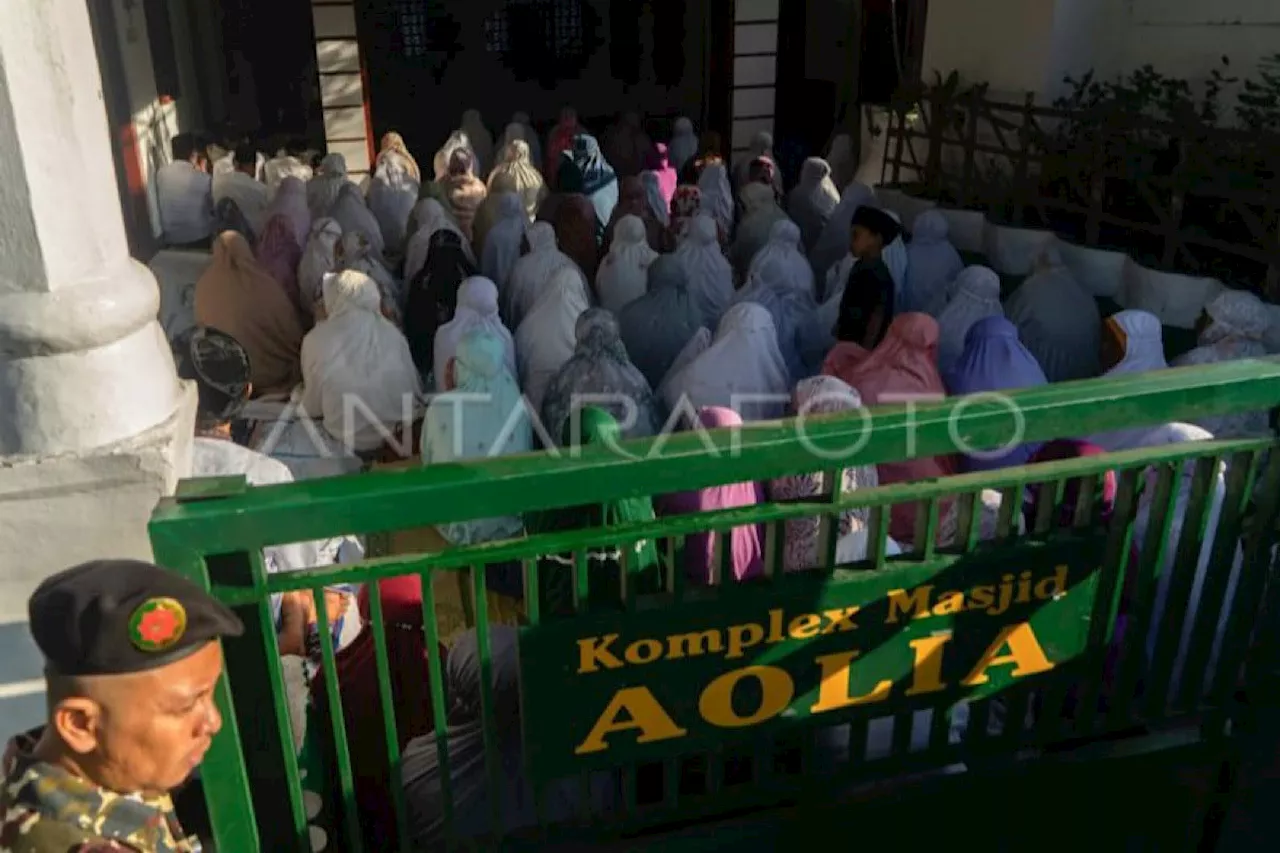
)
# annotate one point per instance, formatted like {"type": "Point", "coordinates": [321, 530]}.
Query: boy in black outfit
{"type": "Point", "coordinates": [866, 308]}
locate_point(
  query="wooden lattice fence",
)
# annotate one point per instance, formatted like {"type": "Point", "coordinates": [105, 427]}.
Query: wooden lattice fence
{"type": "Point", "coordinates": [1190, 198]}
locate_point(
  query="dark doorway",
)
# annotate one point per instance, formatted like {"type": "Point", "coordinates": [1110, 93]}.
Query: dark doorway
{"type": "Point", "coordinates": [271, 63]}
{"type": "Point", "coordinates": [833, 56]}
{"type": "Point", "coordinates": [428, 61]}
{"type": "Point", "coordinates": [892, 46]}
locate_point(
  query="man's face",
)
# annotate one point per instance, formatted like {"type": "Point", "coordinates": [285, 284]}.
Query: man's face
{"type": "Point", "coordinates": [148, 731]}
{"type": "Point", "coordinates": [864, 243]}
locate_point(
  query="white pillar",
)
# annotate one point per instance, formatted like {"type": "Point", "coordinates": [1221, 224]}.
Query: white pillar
{"type": "Point", "coordinates": [94, 425]}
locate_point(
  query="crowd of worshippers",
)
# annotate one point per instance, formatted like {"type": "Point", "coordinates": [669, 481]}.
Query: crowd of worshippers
{"type": "Point", "coordinates": [522, 274]}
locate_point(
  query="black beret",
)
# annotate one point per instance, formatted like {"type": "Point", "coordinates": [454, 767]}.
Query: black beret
{"type": "Point", "coordinates": [877, 221]}
{"type": "Point", "coordinates": [219, 366]}
{"type": "Point", "coordinates": [112, 617]}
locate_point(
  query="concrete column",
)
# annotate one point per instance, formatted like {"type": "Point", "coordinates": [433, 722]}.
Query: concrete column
{"type": "Point", "coordinates": [94, 424]}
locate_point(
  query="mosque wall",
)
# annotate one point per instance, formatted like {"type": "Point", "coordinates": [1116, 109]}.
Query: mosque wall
{"type": "Point", "coordinates": [1185, 38]}
{"type": "Point", "coordinates": [1029, 45]}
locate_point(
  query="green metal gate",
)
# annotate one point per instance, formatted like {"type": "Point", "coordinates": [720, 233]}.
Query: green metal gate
{"type": "Point", "coordinates": [696, 703]}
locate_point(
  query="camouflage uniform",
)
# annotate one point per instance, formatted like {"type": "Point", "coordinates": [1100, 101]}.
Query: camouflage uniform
{"type": "Point", "coordinates": [44, 809]}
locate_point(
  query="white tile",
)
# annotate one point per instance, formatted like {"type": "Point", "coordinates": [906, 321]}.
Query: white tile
{"type": "Point", "coordinates": [341, 90]}
{"type": "Point", "coordinates": [333, 57]}
{"type": "Point", "coordinates": [755, 38]}
{"type": "Point", "coordinates": [344, 123]}
{"type": "Point", "coordinates": [754, 70]}
{"type": "Point", "coordinates": [753, 102]}
{"type": "Point", "coordinates": [334, 22]}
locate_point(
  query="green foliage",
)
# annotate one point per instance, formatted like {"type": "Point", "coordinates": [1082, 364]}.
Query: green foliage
{"type": "Point", "coordinates": [1258, 105]}
{"type": "Point", "coordinates": [1144, 121]}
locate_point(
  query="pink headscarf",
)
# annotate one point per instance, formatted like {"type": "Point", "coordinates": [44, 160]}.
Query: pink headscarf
{"type": "Point", "coordinates": [659, 162]}
{"type": "Point", "coordinates": [902, 367]}
{"type": "Point", "coordinates": [745, 544]}
{"type": "Point", "coordinates": [279, 254]}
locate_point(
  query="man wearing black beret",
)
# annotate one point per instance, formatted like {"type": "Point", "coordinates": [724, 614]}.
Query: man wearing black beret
{"type": "Point", "coordinates": [131, 660]}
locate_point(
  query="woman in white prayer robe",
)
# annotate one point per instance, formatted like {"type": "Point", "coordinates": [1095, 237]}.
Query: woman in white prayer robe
{"type": "Point", "coordinates": [1231, 328]}
{"type": "Point", "coordinates": [709, 271]}
{"type": "Point", "coordinates": [760, 212]}
{"type": "Point", "coordinates": [1057, 319]}
{"type": "Point", "coordinates": [977, 295]}
{"type": "Point", "coordinates": [534, 269]}
{"type": "Point", "coordinates": [458, 140]}
{"type": "Point", "coordinates": [547, 335]}
{"type": "Point", "coordinates": [248, 193]}
{"type": "Point", "coordinates": [283, 165]}
{"type": "Point", "coordinates": [657, 326]}
{"type": "Point", "coordinates": [761, 146]}
{"type": "Point", "coordinates": [516, 165]}
{"type": "Point", "coordinates": [353, 214]}
{"type": "Point", "coordinates": [505, 240]}
{"type": "Point", "coordinates": [322, 190]}
{"type": "Point", "coordinates": [392, 195]}
{"type": "Point", "coordinates": [717, 196]}
{"type": "Point", "coordinates": [1132, 342]}
{"type": "Point", "coordinates": [784, 246]}
{"type": "Point", "coordinates": [520, 128]}
{"type": "Point", "coordinates": [477, 309]}
{"type": "Point", "coordinates": [790, 303]}
{"type": "Point", "coordinates": [932, 262]}
{"type": "Point", "coordinates": [814, 198]}
{"type": "Point", "coordinates": [319, 258]}
{"type": "Point", "coordinates": [623, 276]}
{"type": "Point", "coordinates": [356, 353]}
{"type": "Point", "coordinates": [741, 366]}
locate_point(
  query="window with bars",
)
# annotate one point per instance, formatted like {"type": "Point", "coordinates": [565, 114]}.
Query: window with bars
{"type": "Point", "coordinates": [558, 24]}
{"type": "Point", "coordinates": [426, 30]}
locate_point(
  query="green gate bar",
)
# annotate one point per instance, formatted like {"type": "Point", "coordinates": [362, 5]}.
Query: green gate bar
{"type": "Point", "coordinates": [790, 664]}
